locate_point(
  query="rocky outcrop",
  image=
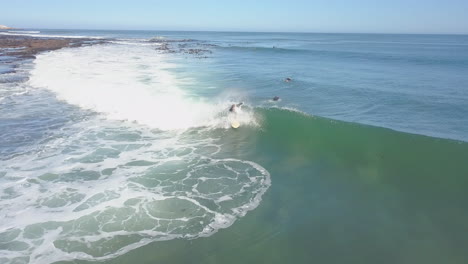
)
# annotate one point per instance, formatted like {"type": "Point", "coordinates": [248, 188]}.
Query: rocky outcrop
{"type": "Point", "coordinates": [27, 47]}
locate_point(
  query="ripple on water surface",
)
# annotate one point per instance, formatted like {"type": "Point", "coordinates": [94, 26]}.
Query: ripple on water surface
{"type": "Point", "coordinates": [102, 190]}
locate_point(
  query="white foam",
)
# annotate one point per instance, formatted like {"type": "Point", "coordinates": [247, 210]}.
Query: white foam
{"type": "Point", "coordinates": [126, 82]}
{"type": "Point", "coordinates": [292, 109]}
{"type": "Point", "coordinates": [100, 180]}
{"type": "Point", "coordinates": [134, 42]}
{"type": "Point", "coordinates": [58, 213]}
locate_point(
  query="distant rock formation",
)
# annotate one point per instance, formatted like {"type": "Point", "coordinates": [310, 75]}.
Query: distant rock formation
{"type": "Point", "coordinates": [2, 27]}
{"type": "Point", "coordinates": [28, 47]}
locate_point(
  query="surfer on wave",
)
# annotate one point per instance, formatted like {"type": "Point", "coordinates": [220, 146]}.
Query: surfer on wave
{"type": "Point", "coordinates": [235, 108]}
{"type": "Point", "coordinates": [233, 111]}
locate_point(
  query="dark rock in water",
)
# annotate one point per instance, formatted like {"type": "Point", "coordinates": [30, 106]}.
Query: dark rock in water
{"type": "Point", "coordinates": [198, 51]}
{"type": "Point", "coordinates": [210, 45]}
{"type": "Point", "coordinates": [164, 46]}
{"type": "Point", "coordinates": [186, 47]}
{"type": "Point", "coordinates": [287, 79]}
{"type": "Point", "coordinates": [165, 40]}
{"type": "Point", "coordinates": [276, 98]}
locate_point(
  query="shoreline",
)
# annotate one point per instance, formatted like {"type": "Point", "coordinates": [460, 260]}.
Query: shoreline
{"type": "Point", "coordinates": [28, 47]}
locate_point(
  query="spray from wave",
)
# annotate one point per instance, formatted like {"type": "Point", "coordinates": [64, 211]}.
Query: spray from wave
{"type": "Point", "coordinates": [124, 82]}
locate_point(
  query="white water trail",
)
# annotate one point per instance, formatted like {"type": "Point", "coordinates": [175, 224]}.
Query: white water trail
{"type": "Point", "coordinates": [126, 82]}
{"type": "Point", "coordinates": [99, 187]}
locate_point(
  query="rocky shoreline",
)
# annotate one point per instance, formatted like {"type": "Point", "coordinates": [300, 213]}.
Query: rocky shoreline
{"type": "Point", "coordinates": [16, 49]}
{"type": "Point", "coordinates": [28, 47]}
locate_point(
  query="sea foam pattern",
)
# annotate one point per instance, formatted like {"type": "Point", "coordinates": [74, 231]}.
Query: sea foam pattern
{"type": "Point", "coordinates": [103, 192]}
{"type": "Point", "coordinates": [123, 173]}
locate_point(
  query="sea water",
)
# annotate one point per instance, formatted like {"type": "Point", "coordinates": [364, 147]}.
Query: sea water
{"type": "Point", "coordinates": [122, 151]}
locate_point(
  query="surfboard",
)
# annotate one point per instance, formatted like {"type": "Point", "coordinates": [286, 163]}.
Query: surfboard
{"type": "Point", "coordinates": [235, 124]}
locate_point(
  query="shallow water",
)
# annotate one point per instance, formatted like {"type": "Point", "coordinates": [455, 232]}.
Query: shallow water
{"type": "Point", "coordinates": [123, 152]}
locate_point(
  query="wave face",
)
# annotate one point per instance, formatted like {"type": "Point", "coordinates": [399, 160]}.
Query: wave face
{"type": "Point", "coordinates": [124, 158]}
{"type": "Point", "coordinates": [354, 187]}
{"type": "Point", "coordinates": [408, 83]}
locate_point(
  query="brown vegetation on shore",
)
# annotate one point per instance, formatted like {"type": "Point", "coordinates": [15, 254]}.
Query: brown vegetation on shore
{"type": "Point", "coordinates": [29, 46]}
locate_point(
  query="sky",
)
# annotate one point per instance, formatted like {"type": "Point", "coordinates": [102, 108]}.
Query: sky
{"type": "Point", "coordinates": [334, 16]}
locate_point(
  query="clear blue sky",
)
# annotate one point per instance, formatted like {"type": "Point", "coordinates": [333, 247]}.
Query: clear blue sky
{"type": "Point", "coordinates": [393, 16]}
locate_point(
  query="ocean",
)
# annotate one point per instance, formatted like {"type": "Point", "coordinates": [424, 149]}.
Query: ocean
{"type": "Point", "coordinates": [122, 151]}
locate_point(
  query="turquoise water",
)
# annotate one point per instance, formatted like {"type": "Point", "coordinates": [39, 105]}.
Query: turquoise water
{"type": "Point", "coordinates": [411, 83]}
{"type": "Point", "coordinates": [123, 152]}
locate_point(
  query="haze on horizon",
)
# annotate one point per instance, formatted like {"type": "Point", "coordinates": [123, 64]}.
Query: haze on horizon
{"type": "Point", "coordinates": [360, 16]}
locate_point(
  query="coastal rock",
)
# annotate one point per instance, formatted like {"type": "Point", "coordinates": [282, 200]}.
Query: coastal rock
{"type": "Point", "coordinates": [185, 46]}
{"type": "Point", "coordinates": [27, 47]}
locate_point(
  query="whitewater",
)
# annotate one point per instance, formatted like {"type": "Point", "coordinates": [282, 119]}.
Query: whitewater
{"type": "Point", "coordinates": [121, 150]}
{"type": "Point", "coordinates": [129, 169]}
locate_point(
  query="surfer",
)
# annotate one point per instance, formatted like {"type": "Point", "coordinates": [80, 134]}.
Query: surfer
{"type": "Point", "coordinates": [287, 79]}
{"type": "Point", "coordinates": [235, 107]}
{"type": "Point", "coordinates": [233, 110]}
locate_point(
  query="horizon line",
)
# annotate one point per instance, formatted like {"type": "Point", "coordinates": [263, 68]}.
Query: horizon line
{"type": "Point", "coordinates": [246, 31]}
